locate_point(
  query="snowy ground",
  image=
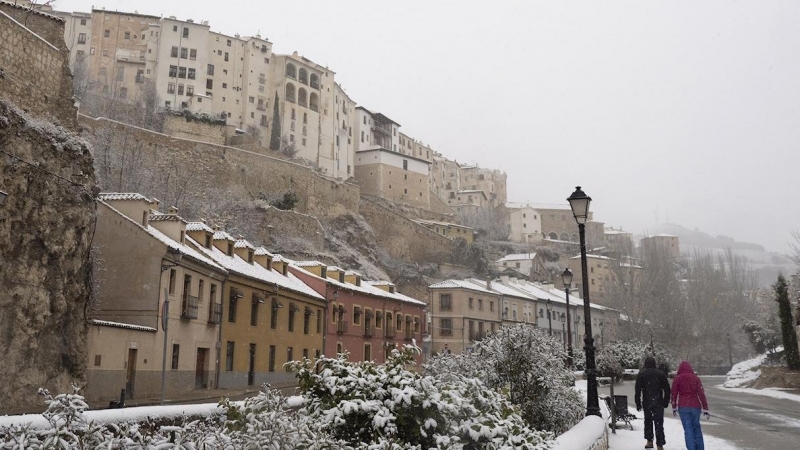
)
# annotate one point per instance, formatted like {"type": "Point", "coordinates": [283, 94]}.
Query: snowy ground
{"type": "Point", "coordinates": [625, 439]}
{"type": "Point", "coordinates": [766, 392]}
{"type": "Point", "coordinates": [744, 372]}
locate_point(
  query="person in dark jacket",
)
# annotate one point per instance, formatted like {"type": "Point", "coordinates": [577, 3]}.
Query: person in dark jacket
{"type": "Point", "coordinates": [689, 398]}
{"type": "Point", "coordinates": [652, 395]}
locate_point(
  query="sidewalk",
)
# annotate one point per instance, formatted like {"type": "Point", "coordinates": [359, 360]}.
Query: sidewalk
{"type": "Point", "coordinates": [625, 439]}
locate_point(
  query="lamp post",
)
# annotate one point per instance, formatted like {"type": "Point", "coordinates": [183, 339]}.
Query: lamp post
{"type": "Point", "coordinates": [549, 306]}
{"type": "Point", "coordinates": [602, 340]}
{"type": "Point", "coordinates": [563, 333]}
{"type": "Point", "coordinates": [566, 277]}
{"type": "Point", "coordinates": [579, 203]}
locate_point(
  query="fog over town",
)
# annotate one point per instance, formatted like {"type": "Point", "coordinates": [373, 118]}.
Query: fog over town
{"type": "Point", "coordinates": [681, 112]}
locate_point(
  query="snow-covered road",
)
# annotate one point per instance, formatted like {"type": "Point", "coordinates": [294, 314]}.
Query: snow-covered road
{"type": "Point", "coordinates": [625, 439]}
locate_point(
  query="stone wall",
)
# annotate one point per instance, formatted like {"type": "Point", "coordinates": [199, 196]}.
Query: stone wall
{"type": "Point", "coordinates": [186, 128]}
{"type": "Point", "coordinates": [403, 238]}
{"type": "Point", "coordinates": [46, 226]}
{"type": "Point", "coordinates": [179, 171]}
{"type": "Point", "coordinates": [34, 73]}
{"type": "Point", "coordinates": [591, 433]}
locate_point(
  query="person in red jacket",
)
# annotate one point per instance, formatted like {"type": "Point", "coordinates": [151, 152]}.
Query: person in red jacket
{"type": "Point", "coordinates": [689, 399]}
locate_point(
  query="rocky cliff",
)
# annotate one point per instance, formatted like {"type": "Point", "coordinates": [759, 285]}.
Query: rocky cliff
{"type": "Point", "coordinates": [46, 228]}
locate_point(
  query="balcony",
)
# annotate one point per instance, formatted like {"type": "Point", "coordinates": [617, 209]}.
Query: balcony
{"type": "Point", "coordinates": [341, 327]}
{"type": "Point", "coordinates": [189, 307]}
{"type": "Point", "coordinates": [140, 78]}
{"type": "Point", "coordinates": [382, 129]}
{"type": "Point", "coordinates": [261, 107]}
{"type": "Point", "coordinates": [215, 313]}
{"type": "Point", "coordinates": [389, 331]}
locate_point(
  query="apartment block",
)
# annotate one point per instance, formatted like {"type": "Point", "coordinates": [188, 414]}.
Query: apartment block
{"type": "Point", "coordinates": [662, 242]}
{"type": "Point", "coordinates": [557, 223]}
{"type": "Point", "coordinates": [524, 224]}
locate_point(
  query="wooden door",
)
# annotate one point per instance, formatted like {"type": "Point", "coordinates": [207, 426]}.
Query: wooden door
{"type": "Point", "coordinates": [130, 375]}
{"type": "Point", "coordinates": [200, 369]}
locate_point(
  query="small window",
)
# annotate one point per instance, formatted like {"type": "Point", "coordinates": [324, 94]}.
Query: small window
{"type": "Point", "coordinates": [175, 355]}
{"type": "Point", "coordinates": [446, 327]}
{"type": "Point", "coordinates": [106, 33]}
{"type": "Point", "coordinates": [229, 357]}
{"type": "Point", "coordinates": [185, 32]}
{"type": "Point", "coordinates": [445, 302]}
{"type": "Point", "coordinates": [97, 359]}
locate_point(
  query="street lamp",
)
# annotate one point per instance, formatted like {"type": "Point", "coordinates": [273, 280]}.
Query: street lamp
{"type": "Point", "coordinates": [549, 306]}
{"type": "Point", "coordinates": [579, 202]}
{"type": "Point", "coordinates": [563, 319]}
{"type": "Point", "coordinates": [566, 278]}
{"type": "Point", "coordinates": [602, 341]}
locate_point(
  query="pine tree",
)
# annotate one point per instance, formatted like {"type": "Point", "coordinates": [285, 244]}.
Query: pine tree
{"type": "Point", "coordinates": [787, 328]}
{"type": "Point", "coordinates": [275, 137]}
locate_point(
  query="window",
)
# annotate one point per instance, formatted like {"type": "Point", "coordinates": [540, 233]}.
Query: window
{"type": "Point", "coordinates": [190, 91]}
{"type": "Point", "coordinates": [180, 89]}
{"type": "Point", "coordinates": [173, 71]}
{"type": "Point", "coordinates": [291, 71]}
{"type": "Point", "coordinates": [185, 32]}
{"type": "Point", "coordinates": [445, 327]}
{"type": "Point", "coordinates": [210, 70]}
{"type": "Point", "coordinates": [471, 303]}
{"type": "Point", "coordinates": [303, 76]}
{"type": "Point", "coordinates": [172, 277]}
{"type": "Point", "coordinates": [399, 323]}
{"type": "Point", "coordinates": [181, 72]}
{"type": "Point", "coordinates": [229, 356]}
{"type": "Point", "coordinates": [81, 38]}
{"type": "Point", "coordinates": [83, 21]}
{"type": "Point", "coordinates": [480, 304]}
{"type": "Point", "coordinates": [229, 43]}
{"type": "Point", "coordinates": [367, 352]}
{"type": "Point", "coordinates": [292, 310]}
{"type": "Point", "coordinates": [106, 33]}
{"type": "Point", "coordinates": [174, 28]}
{"type": "Point", "coordinates": [175, 354]}
{"type": "Point", "coordinates": [224, 86]}
{"type": "Point", "coordinates": [232, 305]}
{"type": "Point", "coordinates": [272, 358]}
{"type": "Point", "coordinates": [127, 35]}
{"type": "Point", "coordinates": [226, 56]}
{"type": "Point", "coordinates": [209, 83]}
{"type": "Point", "coordinates": [191, 74]}
{"type": "Point", "coordinates": [254, 310]}
{"type": "Point", "coordinates": [193, 53]}
{"type": "Point", "coordinates": [319, 321]}
{"type": "Point", "coordinates": [120, 73]}
{"type": "Point", "coordinates": [290, 92]}
{"type": "Point", "coordinates": [184, 52]}
{"type": "Point", "coordinates": [123, 92]}
{"type": "Point", "coordinates": [405, 164]}
{"type": "Point", "coordinates": [289, 354]}
{"type": "Point", "coordinates": [491, 305]}
{"type": "Point", "coordinates": [170, 88]}
{"type": "Point", "coordinates": [445, 302]}
{"type": "Point", "coordinates": [306, 320]}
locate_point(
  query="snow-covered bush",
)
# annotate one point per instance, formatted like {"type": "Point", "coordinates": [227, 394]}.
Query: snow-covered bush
{"type": "Point", "coordinates": [267, 421]}
{"type": "Point", "coordinates": [631, 354]}
{"type": "Point", "coordinates": [526, 363]}
{"type": "Point", "coordinates": [389, 407]}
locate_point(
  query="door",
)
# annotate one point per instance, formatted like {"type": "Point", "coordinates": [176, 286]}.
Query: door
{"type": "Point", "coordinates": [251, 374]}
{"type": "Point", "coordinates": [200, 381]}
{"type": "Point", "coordinates": [130, 375]}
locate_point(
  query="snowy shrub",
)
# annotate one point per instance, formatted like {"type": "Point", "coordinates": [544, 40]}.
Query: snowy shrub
{"type": "Point", "coordinates": [527, 364]}
{"type": "Point", "coordinates": [764, 334]}
{"type": "Point", "coordinates": [631, 354]}
{"type": "Point", "coordinates": [387, 406]}
{"type": "Point", "coordinates": [608, 365]}
{"type": "Point", "coordinates": [266, 421]}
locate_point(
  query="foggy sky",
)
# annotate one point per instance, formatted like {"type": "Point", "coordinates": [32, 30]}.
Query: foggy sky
{"type": "Point", "coordinates": [679, 110]}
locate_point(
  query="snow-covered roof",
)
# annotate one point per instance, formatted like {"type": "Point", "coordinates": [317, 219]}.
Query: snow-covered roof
{"type": "Point", "coordinates": [255, 271]}
{"type": "Point", "coordinates": [220, 235]}
{"type": "Point", "coordinates": [307, 263]}
{"type": "Point", "coordinates": [353, 272]}
{"type": "Point", "coordinates": [156, 216]}
{"type": "Point", "coordinates": [116, 196]}
{"type": "Point", "coordinates": [665, 235]}
{"type": "Point", "coordinates": [198, 226]}
{"type": "Point", "coordinates": [128, 326]}
{"type": "Point", "coordinates": [31, 8]}
{"type": "Point", "coordinates": [593, 257]}
{"type": "Point", "coordinates": [365, 288]}
{"type": "Point", "coordinates": [615, 232]}
{"type": "Point", "coordinates": [517, 257]}
{"type": "Point", "coordinates": [559, 241]}
{"type": "Point", "coordinates": [260, 251]}
{"type": "Point", "coordinates": [241, 243]}
{"type": "Point", "coordinates": [462, 284]}
{"type": "Point", "coordinates": [380, 283]}
{"type": "Point", "coordinates": [169, 242]}
{"type": "Point", "coordinates": [516, 205]}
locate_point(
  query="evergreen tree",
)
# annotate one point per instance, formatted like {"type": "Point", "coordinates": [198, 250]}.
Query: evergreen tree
{"type": "Point", "coordinates": [787, 328]}
{"type": "Point", "coordinates": [275, 137]}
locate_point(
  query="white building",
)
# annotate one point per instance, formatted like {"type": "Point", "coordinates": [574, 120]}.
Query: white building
{"type": "Point", "coordinates": [528, 264]}
{"type": "Point", "coordinates": [524, 224]}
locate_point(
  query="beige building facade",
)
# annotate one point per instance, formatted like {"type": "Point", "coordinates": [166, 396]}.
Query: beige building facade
{"type": "Point", "coordinates": [145, 260]}
{"type": "Point", "coordinates": [461, 312]}
{"type": "Point", "coordinates": [393, 176]}
{"type": "Point", "coordinates": [662, 242]}
{"type": "Point", "coordinates": [448, 229]}
{"type": "Point", "coordinates": [524, 224]}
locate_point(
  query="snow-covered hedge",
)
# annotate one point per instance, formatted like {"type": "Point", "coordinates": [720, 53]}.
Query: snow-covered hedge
{"type": "Point", "coordinates": [526, 363]}
{"type": "Point", "coordinates": [386, 406]}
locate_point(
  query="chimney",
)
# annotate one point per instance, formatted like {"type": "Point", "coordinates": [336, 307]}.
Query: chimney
{"type": "Point", "coordinates": [173, 210]}
{"type": "Point", "coordinates": [489, 283]}
{"type": "Point", "coordinates": [145, 218]}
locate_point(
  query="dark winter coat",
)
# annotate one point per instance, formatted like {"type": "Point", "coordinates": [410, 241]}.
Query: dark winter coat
{"type": "Point", "coordinates": [687, 389]}
{"type": "Point", "coordinates": [652, 387]}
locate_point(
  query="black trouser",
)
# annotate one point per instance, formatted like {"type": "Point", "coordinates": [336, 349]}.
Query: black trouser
{"type": "Point", "coordinates": [654, 415]}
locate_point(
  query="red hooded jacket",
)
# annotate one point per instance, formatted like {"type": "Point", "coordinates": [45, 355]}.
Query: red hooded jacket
{"type": "Point", "coordinates": [687, 389]}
